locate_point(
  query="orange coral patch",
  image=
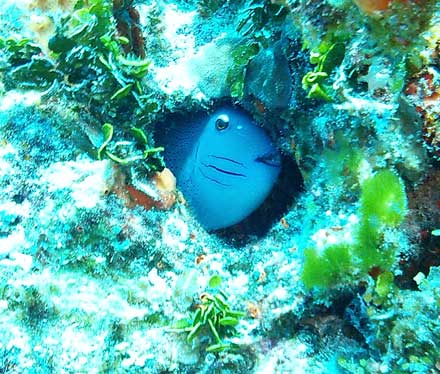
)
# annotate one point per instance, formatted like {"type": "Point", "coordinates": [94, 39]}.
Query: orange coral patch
{"type": "Point", "coordinates": [371, 6]}
{"type": "Point", "coordinates": [162, 184]}
{"type": "Point", "coordinates": [165, 180]}
{"type": "Point", "coordinates": [140, 198]}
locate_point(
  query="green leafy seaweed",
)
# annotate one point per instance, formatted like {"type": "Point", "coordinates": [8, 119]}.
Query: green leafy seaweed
{"type": "Point", "coordinates": [213, 318]}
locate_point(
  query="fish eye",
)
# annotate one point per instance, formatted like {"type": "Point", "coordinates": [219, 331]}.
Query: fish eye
{"type": "Point", "coordinates": [222, 122]}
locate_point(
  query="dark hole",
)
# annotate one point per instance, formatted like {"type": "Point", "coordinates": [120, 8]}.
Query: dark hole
{"type": "Point", "coordinates": [290, 183]}
{"type": "Point", "coordinates": [257, 224]}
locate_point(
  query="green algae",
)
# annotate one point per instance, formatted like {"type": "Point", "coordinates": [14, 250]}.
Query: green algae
{"type": "Point", "coordinates": [326, 58]}
{"type": "Point", "coordinates": [383, 206]}
{"type": "Point", "coordinates": [126, 153]}
{"type": "Point", "coordinates": [327, 269]}
{"type": "Point", "coordinates": [242, 54]}
{"type": "Point", "coordinates": [214, 319]}
{"type": "Point", "coordinates": [383, 200]}
{"type": "Point", "coordinates": [26, 67]}
{"type": "Point", "coordinates": [87, 67]}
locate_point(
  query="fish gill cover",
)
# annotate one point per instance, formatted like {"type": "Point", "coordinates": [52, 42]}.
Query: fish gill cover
{"type": "Point", "coordinates": [109, 261]}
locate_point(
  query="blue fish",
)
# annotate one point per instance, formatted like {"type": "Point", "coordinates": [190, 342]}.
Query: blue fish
{"type": "Point", "coordinates": [225, 166]}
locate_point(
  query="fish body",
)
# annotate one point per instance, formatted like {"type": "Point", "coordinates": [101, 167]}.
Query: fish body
{"type": "Point", "coordinates": [226, 169]}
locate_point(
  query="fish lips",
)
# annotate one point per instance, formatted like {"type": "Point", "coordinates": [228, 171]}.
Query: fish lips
{"type": "Point", "coordinates": [271, 158]}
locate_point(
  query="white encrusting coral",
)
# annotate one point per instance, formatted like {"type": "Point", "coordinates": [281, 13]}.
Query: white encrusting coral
{"type": "Point", "coordinates": [86, 180]}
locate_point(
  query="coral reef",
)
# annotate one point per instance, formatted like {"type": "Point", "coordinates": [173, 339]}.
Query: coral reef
{"type": "Point", "coordinates": [104, 266]}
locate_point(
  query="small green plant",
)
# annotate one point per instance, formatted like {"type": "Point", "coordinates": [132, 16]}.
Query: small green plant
{"type": "Point", "coordinates": [383, 200]}
{"type": "Point", "coordinates": [326, 58]}
{"type": "Point", "coordinates": [213, 320]}
{"type": "Point", "coordinates": [326, 269]}
{"type": "Point", "coordinates": [383, 206]}
{"type": "Point", "coordinates": [126, 152]}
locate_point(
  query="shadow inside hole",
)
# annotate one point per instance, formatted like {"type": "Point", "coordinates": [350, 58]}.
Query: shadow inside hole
{"type": "Point", "coordinates": [289, 185]}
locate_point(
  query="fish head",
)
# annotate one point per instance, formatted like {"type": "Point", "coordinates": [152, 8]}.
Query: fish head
{"type": "Point", "coordinates": [233, 168]}
{"type": "Point", "coordinates": [232, 145]}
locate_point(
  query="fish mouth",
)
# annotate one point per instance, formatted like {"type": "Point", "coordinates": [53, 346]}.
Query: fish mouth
{"type": "Point", "coordinates": [271, 158]}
